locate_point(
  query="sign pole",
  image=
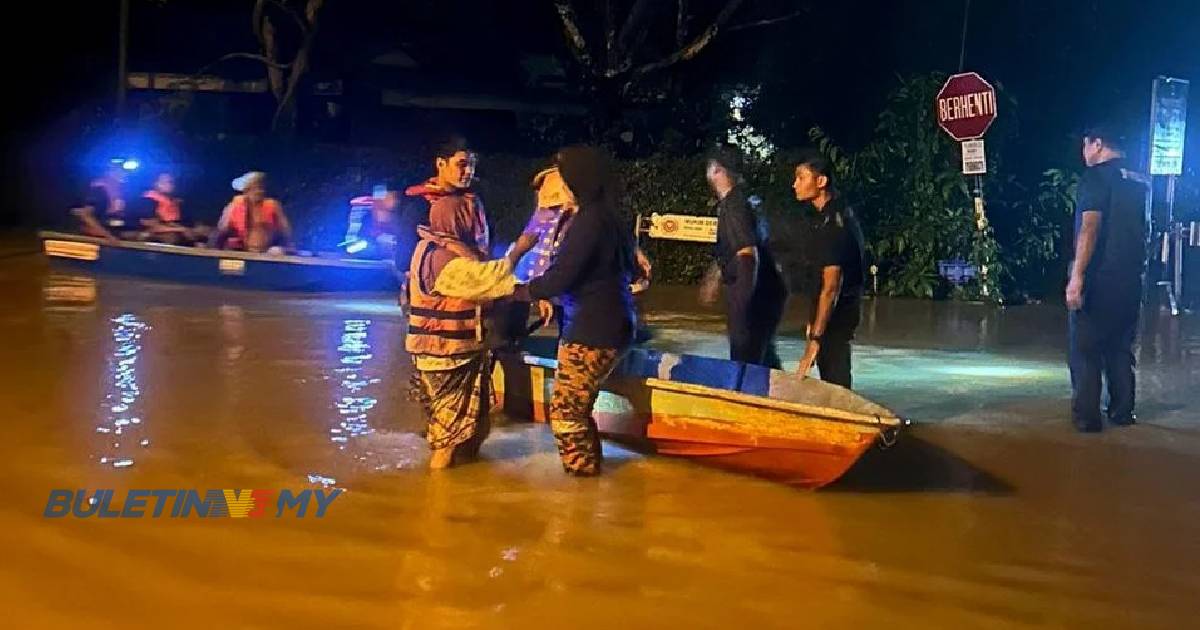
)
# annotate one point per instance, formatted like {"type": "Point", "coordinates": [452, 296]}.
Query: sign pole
{"type": "Point", "coordinates": [1176, 228]}
{"type": "Point", "coordinates": [965, 108]}
{"type": "Point", "coordinates": [980, 228]}
{"type": "Point", "coordinates": [122, 58]}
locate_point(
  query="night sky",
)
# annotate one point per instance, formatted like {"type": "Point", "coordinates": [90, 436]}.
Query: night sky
{"type": "Point", "coordinates": [1064, 61]}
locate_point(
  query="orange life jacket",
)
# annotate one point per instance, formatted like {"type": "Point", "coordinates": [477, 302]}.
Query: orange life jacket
{"type": "Point", "coordinates": [439, 326]}
{"type": "Point", "coordinates": [266, 217]}
{"type": "Point", "coordinates": [165, 208]}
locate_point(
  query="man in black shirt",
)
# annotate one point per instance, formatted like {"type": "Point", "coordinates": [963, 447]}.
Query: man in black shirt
{"type": "Point", "coordinates": [837, 255]}
{"type": "Point", "coordinates": [754, 290]}
{"type": "Point", "coordinates": [1104, 291]}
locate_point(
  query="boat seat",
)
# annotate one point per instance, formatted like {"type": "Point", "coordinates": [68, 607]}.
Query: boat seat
{"type": "Point", "coordinates": [686, 368]}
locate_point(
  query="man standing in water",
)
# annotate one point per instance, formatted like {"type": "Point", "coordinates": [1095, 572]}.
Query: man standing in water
{"type": "Point", "coordinates": [754, 290]}
{"type": "Point", "coordinates": [1104, 291]}
{"type": "Point", "coordinates": [838, 258]}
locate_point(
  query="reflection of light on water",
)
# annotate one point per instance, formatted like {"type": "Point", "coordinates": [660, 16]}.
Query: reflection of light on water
{"type": "Point", "coordinates": [990, 371]}
{"type": "Point", "coordinates": [69, 293]}
{"type": "Point", "coordinates": [352, 402]}
{"type": "Point", "coordinates": [324, 481]}
{"type": "Point", "coordinates": [121, 401]}
{"type": "Point", "coordinates": [368, 307]}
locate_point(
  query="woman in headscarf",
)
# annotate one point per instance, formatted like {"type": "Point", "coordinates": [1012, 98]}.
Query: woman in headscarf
{"type": "Point", "coordinates": [451, 281]}
{"type": "Point", "coordinates": [590, 273]}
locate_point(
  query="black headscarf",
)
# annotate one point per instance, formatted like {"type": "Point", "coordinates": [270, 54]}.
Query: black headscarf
{"type": "Point", "coordinates": [591, 175]}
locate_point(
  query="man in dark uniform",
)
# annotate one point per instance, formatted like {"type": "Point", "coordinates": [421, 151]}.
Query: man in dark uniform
{"type": "Point", "coordinates": [837, 257]}
{"type": "Point", "coordinates": [1104, 291]}
{"type": "Point", "coordinates": [754, 290]}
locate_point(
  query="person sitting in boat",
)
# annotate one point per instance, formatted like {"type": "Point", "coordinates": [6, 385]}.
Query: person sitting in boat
{"type": "Point", "coordinates": [162, 215]}
{"type": "Point", "coordinates": [373, 225]}
{"type": "Point", "coordinates": [591, 274]}
{"type": "Point", "coordinates": [451, 281]}
{"type": "Point", "coordinates": [253, 221]}
{"type": "Point", "coordinates": [102, 213]}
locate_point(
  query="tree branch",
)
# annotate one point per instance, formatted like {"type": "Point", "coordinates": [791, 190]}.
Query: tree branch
{"type": "Point", "coordinates": [610, 35]}
{"type": "Point", "coordinates": [300, 23]}
{"type": "Point", "coordinates": [767, 22]}
{"type": "Point", "coordinates": [299, 64]}
{"type": "Point", "coordinates": [575, 40]}
{"type": "Point", "coordinates": [693, 48]}
{"type": "Point", "coordinates": [274, 71]}
{"type": "Point", "coordinates": [256, 22]}
{"type": "Point", "coordinates": [681, 23]}
{"type": "Point", "coordinates": [239, 55]}
{"type": "Point", "coordinates": [633, 33]}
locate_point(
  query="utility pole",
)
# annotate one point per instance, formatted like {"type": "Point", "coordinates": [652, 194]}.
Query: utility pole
{"type": "Point", "coordinates": [123, 59]}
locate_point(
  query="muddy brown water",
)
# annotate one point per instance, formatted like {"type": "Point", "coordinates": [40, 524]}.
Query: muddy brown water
{"type": "Point", "coordinates": [990, 513]}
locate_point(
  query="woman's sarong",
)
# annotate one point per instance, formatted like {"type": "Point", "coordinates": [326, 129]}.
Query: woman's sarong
{"type": "Point", "coordinates": [456, 403]}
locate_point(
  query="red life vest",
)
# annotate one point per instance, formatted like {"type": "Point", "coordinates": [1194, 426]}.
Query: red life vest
{"type": "Point", "coordinates": [267, 216]}
{"type": "Point", "coordinates": [165, 208]}
{"type": "Point", "coordinates": [437, 325]}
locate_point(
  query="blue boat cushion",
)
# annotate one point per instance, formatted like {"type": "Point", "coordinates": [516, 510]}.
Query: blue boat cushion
{"type": "Point", "coordinates": [756, 380]}
{"type": "Point", "coordinates": [706, 371]}
{"type": "Point", "coordinates": [640, 363]}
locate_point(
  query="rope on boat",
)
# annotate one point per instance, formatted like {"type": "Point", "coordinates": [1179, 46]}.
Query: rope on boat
{"type": "Point", "coordinates": [889, 435]}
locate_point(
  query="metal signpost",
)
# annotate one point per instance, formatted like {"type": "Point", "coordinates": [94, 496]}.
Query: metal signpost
{"type": "Point", "coordinates": [966, 107]}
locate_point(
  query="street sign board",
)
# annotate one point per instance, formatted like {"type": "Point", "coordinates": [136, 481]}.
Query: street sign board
{"type": "Point", "coordinates": [1168, 118]}
{"type": "Point", "coordinates": [683, 227]}
{"type": "Point", "coordinates": [966, 106]}
{"type": "Point", "coordinates": [974, 160]}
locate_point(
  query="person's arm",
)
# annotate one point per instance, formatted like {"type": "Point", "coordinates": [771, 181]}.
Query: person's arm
{"type": "Point", "coordinates": [1094, 195]}
{"type": "Point", "coordinates": [89, 225]}
{"type": "Point", "coordinates": [478, 281]}
{"type": "Point", "coordinates": [645, 268]}
{"type": "Point", "coordinates": [218, 236]}
{"type": "Point", "coordinates": [285, 228]}
{"type": "Point", "coordinates": [710, 285]}
{"type": "Point", "coordinates": [525, 242]}
{"type": "Point", "coordinates": [747, 274]}
{"type": "Point", "coordinates": [743, 239]}
{"type": "Point", "coordinates": [482, 281]}
{"type": "Point", "coordinates": [831, 289]}
{"type": "Point", "coordinates": [576, 251]}
{"type": "Point", "coordinates": [1085, 246]}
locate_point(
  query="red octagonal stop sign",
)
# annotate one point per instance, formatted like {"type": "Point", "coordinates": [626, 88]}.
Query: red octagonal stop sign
{"type": "Point", "coordinates": [966, 106]}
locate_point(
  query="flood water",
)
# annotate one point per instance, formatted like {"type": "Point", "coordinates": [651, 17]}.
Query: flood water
{"type": "Point", "coordinates": [990, 513]}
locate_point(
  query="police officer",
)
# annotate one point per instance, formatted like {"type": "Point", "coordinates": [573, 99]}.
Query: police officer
{"type": "Point", "coordinates": [1104, 290]}
{"type": "Point", "coordinates": [754, 290]}
{"type": "Point", "coordinates": [837, 257]}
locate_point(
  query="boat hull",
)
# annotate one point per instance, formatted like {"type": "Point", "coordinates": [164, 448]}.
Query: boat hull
{"type": "Point", "coordinates": [790, 441]}
{"type": "Point", "coordinates": [226, 268]}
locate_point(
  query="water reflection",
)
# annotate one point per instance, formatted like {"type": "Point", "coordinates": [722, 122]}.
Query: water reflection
{"type": "Point", "coordinates": [352, 400]}
{"type": "Point", "coordinates": [63, 292]}
{"type": "Point", "coordinates": [123, 423]}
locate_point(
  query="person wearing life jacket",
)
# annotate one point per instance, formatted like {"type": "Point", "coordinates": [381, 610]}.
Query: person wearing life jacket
{"type": "Point", "coordinates": [450, 284]}
{"type": "Point", "coordinates": [102, 213]}
{"type": "Point", "coordinates": [454, 171]}
{"type": "Point", "coordinates": [372, 226]}
{"type": "Point", "coordinates": [162, 214]}
{"type": "Point", "coordinates": [252, 221]}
